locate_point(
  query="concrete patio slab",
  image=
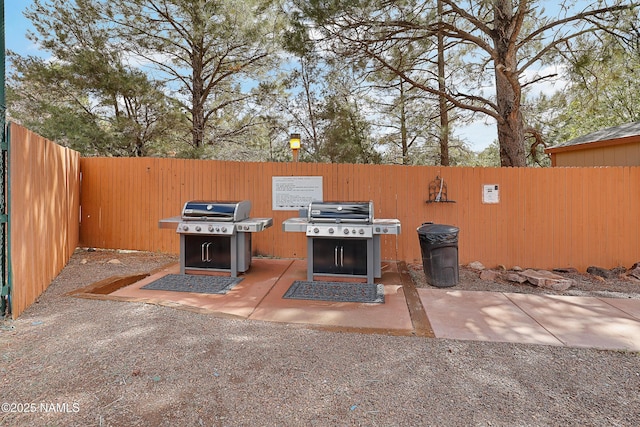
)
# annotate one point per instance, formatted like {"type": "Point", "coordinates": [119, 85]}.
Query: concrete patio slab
{"type": "Point", "coordinates": [259, 297]}
{"type": "Point", "coordinates": [391, 317]}
{"type": "Point", "coordinates": [582, 321]}
{"type": "Point", "coordinates": [629, 306]}
{"type": "Point", "coordinates": [481, 316]}
{"type": "Point", "coordinates": [240, 301]}
{"type": "Point", "coordinates": [595, 322]}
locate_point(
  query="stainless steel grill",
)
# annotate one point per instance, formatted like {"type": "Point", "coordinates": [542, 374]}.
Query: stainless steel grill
{"type": "Point", "coordinates": [216, 236]}
{"type": "Point", "coordinates": [343, 238]}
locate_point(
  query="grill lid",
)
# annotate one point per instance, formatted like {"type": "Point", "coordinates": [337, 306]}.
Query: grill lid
{"type": "Point", "coordinates": [353, 212]}
{"type": "Point", "coordinates": [216, 211]}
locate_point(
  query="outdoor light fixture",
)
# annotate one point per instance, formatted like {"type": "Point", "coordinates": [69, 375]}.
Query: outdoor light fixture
{"type": "Point", "coordinates": [294, 143]}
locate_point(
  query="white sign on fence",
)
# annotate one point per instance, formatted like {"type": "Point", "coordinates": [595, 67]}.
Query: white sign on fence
{"type": "Point", "coordinates": [491, 193]}
{"type": "Point", "coordinates": [290, 193]}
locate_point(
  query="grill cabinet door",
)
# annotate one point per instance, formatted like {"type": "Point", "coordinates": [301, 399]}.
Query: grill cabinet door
{"type": "Point", "coordinates": [336, 256]}
{"type": "Point", "coordinates": [353, 258]}
{"type": "Point", "coordinates": [208, 252]}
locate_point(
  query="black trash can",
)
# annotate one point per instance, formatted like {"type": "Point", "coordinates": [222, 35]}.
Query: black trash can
{"type": "Point", "coordinates": [439, 247]}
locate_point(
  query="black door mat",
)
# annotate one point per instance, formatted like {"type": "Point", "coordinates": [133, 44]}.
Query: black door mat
{"type": "Point", "coordinates": [336, 291]}
{"type": "Point", "coordinates": [198, 284]}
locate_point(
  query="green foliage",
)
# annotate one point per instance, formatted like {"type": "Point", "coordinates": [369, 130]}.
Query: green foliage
{"type": "Point", "coordinates": [603, 90]}
{"type": "Point", "coordinates": [85, 96]}
{"type": "Point", "coordinates": [205, 50]}
{"type": "Point", "coordinates": [488, 43]}
{"type": "Point", "coordinates": [358, 79]}
{"type": "Point", "coordinates": [346, 137]}
{"type": "Point", "coordinates": [489, 157]}
{"type": "Point", "coordinates": [144, 73]}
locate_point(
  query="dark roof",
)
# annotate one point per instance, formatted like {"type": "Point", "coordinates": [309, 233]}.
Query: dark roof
{"type": "Point", "coordinates": [615, 132]}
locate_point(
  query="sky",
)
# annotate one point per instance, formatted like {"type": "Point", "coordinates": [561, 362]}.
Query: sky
{"type": "Point", "coordinates": [16, 26]}
{"type": "Point", "coordinates": [478, 135]}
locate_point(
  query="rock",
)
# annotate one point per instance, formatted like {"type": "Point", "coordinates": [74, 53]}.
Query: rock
{"type": "Point", "coordinates": [84, 261]}
{"type": "Point", "coordinates": [114, 261]}
{"type": "Point", "coordinates": [634, 279]}
{"type": "Point", "coordinates": [488, 275]}
{"type": "Point", "coordinates": [476, 265]}
{"type": "Point", "coordinates": [502, 267]}
{"type": "Point", "coordinates": [618, 271]}
{"type": "Point", "coordinates": [515, 277]}
{"type": "Point", "coordinates": [570, 270]}
{"type": "Point", "coordinates": [547, 279]}
{"type": "Point", "coordinates": [634, 271]}
{"type": "Point", "coordinates": [598, 271]}
{"type": "Point", "coordinates": [517, 268]}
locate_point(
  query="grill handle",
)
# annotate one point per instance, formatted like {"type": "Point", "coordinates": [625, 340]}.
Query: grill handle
{"type": "Point", "coordinates": [204, 255]}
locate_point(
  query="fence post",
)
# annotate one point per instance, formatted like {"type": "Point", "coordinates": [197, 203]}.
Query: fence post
{"type": "Point", "coordinates": [5, 294]}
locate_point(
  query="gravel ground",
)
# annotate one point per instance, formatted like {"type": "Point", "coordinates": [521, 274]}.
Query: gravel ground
{"type": "Point", "coordinates": [78, 362]}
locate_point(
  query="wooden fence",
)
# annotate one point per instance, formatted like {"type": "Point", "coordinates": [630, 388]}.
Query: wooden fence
{"type": "Point", "coordinates": [544, 218]}
{"type": "Point", "coordinates": [43, 213]}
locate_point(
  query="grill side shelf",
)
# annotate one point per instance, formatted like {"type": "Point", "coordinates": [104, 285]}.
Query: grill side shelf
{"type": "Point", "coordinates": [170, 223]}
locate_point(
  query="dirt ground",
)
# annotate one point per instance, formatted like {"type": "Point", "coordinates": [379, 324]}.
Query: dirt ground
{"type": "Point", "coordinates": [78, 362]}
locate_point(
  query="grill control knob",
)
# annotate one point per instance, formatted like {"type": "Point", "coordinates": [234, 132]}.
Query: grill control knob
{"type": "Point", "coordinates": [185, 227]}
{"type": "Point", "coordinates": [346, 231]}
{"type": "Point", "coordinates": [218, 229]}
{"type": "Point", "coordinates": [224, 229]}
{"type": "Point", "coordinates": [198, 228]}
{"type": "Point", "coordinates": [210, 228]}
{"type": "Point", "coordinates": [331, 230]}
{"type": "Point", "coordinates": [384, 230]}
{"type": "Point", "coordinates": [361, 231]}
{"type": "Point", "coordinates": [377, 229]}
{"type": "Point", "coordinates": [316, 230]}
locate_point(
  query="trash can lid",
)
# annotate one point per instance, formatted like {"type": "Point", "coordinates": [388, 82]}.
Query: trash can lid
{"type": "Point", "coordinates": [430, 228]}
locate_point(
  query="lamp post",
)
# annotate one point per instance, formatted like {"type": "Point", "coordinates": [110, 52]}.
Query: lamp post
{"type": "Point", "coordinates": [294, 143]}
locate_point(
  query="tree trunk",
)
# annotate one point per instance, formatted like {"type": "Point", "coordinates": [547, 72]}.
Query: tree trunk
{"type": "Point", "coordinates": [510, 124]}
{"type": "Point", "coordinates": [197, 96]}
{"type": "Point", "coordinates": [508, 88]}
{"type": "Point", "coordinates": [442, 101]}
{"type": "Point", "coordinates": [403, 126]}
{"type": "Point", "coordinates": [197, 111]}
